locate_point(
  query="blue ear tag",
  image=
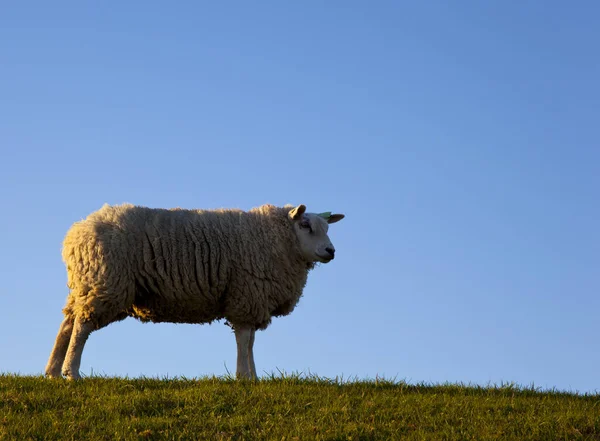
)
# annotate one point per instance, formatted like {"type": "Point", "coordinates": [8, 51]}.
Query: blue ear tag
{"type": "Point", "coordinates": [325, 215]}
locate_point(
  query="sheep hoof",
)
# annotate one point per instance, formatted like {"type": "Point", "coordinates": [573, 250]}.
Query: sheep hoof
{"type": "Point", "coordinates": [72, 376]}
{"type": "Point", "coordinates": [53, 374]}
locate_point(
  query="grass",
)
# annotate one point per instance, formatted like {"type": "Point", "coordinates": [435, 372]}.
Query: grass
{"type": "Point", "coordinates": [287, 408]}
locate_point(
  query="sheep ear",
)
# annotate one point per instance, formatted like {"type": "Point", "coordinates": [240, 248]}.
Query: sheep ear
{"type": "Point", "coordinates": [297, 212]}
{"type": "Point", "coordinates": [332, 219]}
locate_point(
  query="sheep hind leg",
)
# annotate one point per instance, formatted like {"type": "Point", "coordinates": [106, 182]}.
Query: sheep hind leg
{"type": "Point", "coordinates": [243, 338]}
{"type": "Point", "coordinates": [81, 332]}
{"type": "Point", "coordinates": [59, 351]}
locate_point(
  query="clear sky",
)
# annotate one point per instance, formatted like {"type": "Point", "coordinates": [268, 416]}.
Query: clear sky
{"type": "Point", "coordinates": [461, 140]}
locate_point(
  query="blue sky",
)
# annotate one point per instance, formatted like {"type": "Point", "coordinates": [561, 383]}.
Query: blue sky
{"type": "Point", "coordinates": [461, 140]}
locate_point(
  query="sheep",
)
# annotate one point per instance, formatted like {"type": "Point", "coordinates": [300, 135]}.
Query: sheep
{"type": "Point", "coordinates": [186, 266]}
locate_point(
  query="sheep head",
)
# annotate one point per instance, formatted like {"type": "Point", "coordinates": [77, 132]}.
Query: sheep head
{"type": "Point", "coordinates": [311, 230]}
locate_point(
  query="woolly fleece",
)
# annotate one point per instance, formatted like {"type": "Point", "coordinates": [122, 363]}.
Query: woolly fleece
{"type": "Point", "coordinates": [186, 266]}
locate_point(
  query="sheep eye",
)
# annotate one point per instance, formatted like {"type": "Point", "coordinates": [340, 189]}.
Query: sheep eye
{"type": "Point", "coordinates": [306, 225]}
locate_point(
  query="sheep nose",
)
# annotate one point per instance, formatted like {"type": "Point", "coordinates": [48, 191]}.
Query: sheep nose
{"type": "Point", "coordinates": [331, 251]}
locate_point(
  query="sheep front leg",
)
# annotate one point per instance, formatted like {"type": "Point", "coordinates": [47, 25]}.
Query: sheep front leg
{"type": "Point", "coordinates": [244, 337]}
{"type": "Point", "coordinates": [251, 355]}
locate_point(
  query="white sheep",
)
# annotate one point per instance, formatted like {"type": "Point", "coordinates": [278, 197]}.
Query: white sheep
{"type": "Point", "coordinates": [186, 266]}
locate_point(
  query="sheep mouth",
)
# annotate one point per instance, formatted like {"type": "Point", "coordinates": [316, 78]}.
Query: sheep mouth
{"type": "Point", "coordinates": [324, 259]}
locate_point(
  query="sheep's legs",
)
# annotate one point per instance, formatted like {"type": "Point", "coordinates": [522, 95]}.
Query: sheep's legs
{"type": "Point", "coordinates": [251, 355]}
{"type": "Point", "coordinates": [244, 337]}
{"type": "Point", "coordinates": [81, 332]}
{"type": "Point", "coordinates": [57, 357]}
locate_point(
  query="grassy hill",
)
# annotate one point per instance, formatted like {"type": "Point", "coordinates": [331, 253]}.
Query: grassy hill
{"type": "Point", "coordinates": [287, 408]}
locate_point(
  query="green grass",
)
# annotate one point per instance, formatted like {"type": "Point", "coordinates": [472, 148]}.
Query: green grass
{"type": "Point", "coordinates": [287, 408]}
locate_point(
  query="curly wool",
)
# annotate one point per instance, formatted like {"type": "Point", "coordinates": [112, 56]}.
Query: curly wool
{"type": "Point", "coordinates": [184, 266]}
